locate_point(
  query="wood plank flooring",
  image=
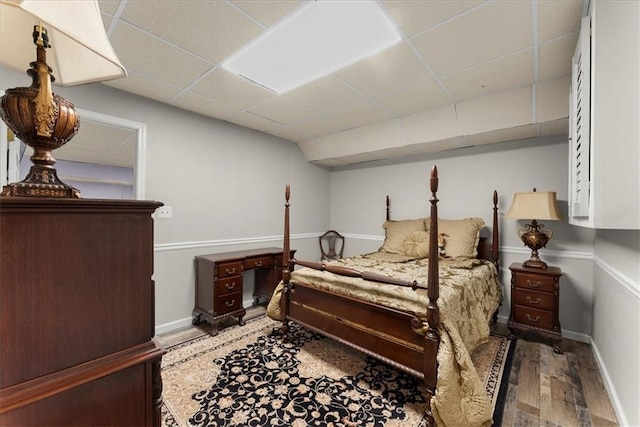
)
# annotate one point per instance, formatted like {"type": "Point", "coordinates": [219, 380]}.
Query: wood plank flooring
{"type": "Point", "coordinates": [545, 388]}
{"type": "Point", "coordinates": [549, 389]}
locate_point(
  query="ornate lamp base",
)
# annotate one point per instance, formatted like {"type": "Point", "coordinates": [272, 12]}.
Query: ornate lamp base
{"type": "Point", "coordinates": [41, 182]}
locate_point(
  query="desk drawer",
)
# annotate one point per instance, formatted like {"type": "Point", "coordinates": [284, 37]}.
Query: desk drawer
{"type": "Point", "coordinates": [258, 262]}
{"type": "Point", "coordinates": [534, 317]}
{"type": "Point", "coordinates": [229, 285]}
{"type": "Point", "coordinates": [228, 303]}
{"type": "Point", "coordinates": [227, 269]}
{"type": "Point", "coordinates": [535, 282]}
{"type": "Point", "coordinates": [539, 300]}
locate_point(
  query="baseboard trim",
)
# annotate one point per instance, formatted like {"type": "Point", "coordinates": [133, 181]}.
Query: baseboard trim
{"type": "Point", "coordinates": [608, 383]}
{"type": "Point", "coordinates": [572, 335]}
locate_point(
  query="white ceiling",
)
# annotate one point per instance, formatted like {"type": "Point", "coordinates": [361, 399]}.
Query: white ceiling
{"type": "Point", "coordinates": [466, 73]}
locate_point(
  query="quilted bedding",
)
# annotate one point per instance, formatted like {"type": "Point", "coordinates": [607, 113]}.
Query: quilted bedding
{"type": "Point", "coordinates": [470, 294]}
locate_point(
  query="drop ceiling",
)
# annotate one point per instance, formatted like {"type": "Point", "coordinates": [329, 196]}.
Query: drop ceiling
{"type": "Point", "coordinates": [465, 73]}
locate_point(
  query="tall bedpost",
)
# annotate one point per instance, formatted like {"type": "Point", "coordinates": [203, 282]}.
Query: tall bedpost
{"type": "Point", "coordinates": [388, 208]}
{"type": "Point", "coordinates": [286, 261]}
{"type": "Point", "coordinates": [433, 312]}
{"type": "Point", "coordinates": [495, 244]}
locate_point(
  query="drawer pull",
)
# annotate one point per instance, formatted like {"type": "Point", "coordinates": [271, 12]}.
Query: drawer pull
{"type": "Point", "coordinates": [531, 319]}
{"type": "Point", "coordinates": [230, 270]}
{"type": "Point", "coordinates": [230, 286]}
{"type": "Point", "coordinates": [533, 284]}
{"type": "Point", "coordinates": [232, 302]}
{"type": "Point", "coordinates": [258, 263]}
{"type": "Point", "coordinates": [537, 301]}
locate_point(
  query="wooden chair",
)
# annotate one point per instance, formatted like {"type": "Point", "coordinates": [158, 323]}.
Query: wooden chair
{"type": "Point", "coordinates": [331, 245]}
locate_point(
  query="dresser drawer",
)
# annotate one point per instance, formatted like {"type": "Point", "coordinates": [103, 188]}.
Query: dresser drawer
{"type": "Point", "coordinates": [227, 303]}
{"type": "Point", "coordinates": [540, 300]}
{"type": "Point", "coordinates": [534, 282]}
{"type": "Point", "coordinates": [227, 269]}
{"type": "Point", "coordinates": [229, 285]}
{"type": "Point", "coordinates": [258, 262]}
{"type": "Point", "coordinates": [533, 317]}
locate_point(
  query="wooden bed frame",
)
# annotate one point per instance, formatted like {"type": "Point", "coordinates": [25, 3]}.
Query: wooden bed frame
{"type": "Point", "coordinates": [387, 331]}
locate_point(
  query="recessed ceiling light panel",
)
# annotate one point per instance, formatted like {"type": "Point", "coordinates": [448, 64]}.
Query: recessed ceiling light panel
{"type": "Point", "coordinates": [317, 39]}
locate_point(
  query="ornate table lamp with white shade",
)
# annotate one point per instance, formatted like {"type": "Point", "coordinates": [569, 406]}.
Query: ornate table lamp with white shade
{"type": "Point", "coordinates": [534, 206]}
{"type": "Point", "coordinates": [80, 53]}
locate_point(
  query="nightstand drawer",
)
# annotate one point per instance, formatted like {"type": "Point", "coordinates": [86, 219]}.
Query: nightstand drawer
{"type": "Point", "coordinates": [535, 282]}
{"type": "Point", "coordinates": [533, 317]}
{"type": "Point", "coordinates": [227, 303]}
{"type": "Point", "coordinates": [229, 269]}
{"type": "Point", "coordinates": [258, 262]}
{"type": "Point", "coordinates": [229, 285]}
{"type": "Point", "coordinates": [539, 300]}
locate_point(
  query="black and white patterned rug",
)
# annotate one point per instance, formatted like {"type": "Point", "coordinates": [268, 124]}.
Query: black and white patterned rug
{"type": "Point", "coordinates": [249, 376]}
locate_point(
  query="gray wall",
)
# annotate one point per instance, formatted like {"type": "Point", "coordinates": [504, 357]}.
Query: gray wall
{"type": "Point", "coordinates": [225, 184]}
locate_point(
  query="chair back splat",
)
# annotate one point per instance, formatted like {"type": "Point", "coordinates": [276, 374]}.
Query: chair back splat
{"type": "Point", "coordinates": [331, 245]}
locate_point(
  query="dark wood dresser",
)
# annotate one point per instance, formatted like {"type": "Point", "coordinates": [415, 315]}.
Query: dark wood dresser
{"type": "Point", "coordinates": [77, 313]}
{"type": "Point", "coordinates": [220, 277]}
{"type": "Point", "coordinates": [535, 304]}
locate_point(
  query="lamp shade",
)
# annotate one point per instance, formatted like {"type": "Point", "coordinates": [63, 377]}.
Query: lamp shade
{"type": "Point", "coordinates": [534, 205]}
{"type": "Point", "coordinates": [81, 51]}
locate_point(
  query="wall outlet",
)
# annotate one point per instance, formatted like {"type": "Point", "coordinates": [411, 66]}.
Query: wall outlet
{"type": "Point", "coordinates": [165, 212]}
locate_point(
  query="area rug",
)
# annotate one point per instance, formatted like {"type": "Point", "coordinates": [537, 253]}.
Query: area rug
{"type": "Point", "coordinates": [249, 376]}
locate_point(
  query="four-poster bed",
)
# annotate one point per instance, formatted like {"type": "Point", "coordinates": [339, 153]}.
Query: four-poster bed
{"type": "Point", "coordinates": [377, 304]}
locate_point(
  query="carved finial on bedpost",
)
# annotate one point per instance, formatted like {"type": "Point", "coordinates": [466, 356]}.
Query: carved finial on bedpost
{"type": "Point", "coordinates": [388, 208]}
{"type": "Point", "coordinates": [286, 250]}
{"type": "Point", "coordinates": [433, 313]}
{"type": "Point", "coordinates": [495, 244]}
{"type": "Point", "coordinates": [286, 269]}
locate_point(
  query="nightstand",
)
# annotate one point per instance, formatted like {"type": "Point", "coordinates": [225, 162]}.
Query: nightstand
{"type": "Point", "coordinates": [535, 304]}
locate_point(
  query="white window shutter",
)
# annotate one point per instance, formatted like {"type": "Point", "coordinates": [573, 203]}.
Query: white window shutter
{"type": "Point", "coordinates": [580, 129]}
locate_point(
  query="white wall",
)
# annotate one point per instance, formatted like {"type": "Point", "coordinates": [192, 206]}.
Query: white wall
{"type": "Point", "coordinates": [616, 317]}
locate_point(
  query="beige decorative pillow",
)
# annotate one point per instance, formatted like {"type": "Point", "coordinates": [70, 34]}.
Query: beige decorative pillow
{"type": "Point", "coordinates": [416, 244]}
{"type": "Point", "coordinates": [397, 231]}
{"type": "Point", "coordinates": [461, 236]}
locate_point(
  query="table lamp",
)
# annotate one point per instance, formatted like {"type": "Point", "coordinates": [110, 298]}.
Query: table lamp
{"type": "Point", "coordinates": [535, 206]}
{"type": "Point", "coordinates": [81, 53]}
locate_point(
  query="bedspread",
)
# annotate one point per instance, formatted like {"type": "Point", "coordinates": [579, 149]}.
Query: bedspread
{"type": "Point", "coordinates": [470, 294]}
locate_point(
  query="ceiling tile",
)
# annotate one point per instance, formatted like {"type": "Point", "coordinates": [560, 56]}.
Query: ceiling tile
{"type": "Point", "coordinates": [503, 135]}
{"type": "Point", "coordinates": [394, 68]}
{"type": "Point", "coordinates": [361, 114]}
{"type": "Point", "coordinates": [415, 16]}
{"type": "Point", "coordinates": [497, 111]}
{"type": "Point", "coordinates": [283, 111]}
{"type": "Point", "coordinates": [230, 89]}
{"type": "Point", "coordinates": [341, 143]}
{"type": "Point", "coordinates": [554, 57]}
{"type": "Point", "coordinates": [321, 125]}
{"type": "Point", "coordinates": [152, 57]}
{"type": "Point", "coordinates": [253, 121]}
{"type": "Point", "coordinates": [422, 96]}
{"type": "Point", "coordinates": [109, 6]}
{"type": "Point", "coordinates": [312, 149]}
{"type": "Point", "coordinates": [487, 32]}
{"type": "Point", "coordinates": [557, 18]}
{"type": "Point", "coordinates": [556, 127]}
{"type": "Point", "coordinates": [205, 106]}
{"type": "Point", "coordinates": [186, 24]}
{"type": "Point", "coordinates": [436, 124]}
{"type": "Point", "coordinates": [144, 86]}
{"type": "Point", "coordinates": [325, 94]}
{"type": "Point", "coordinates": [553, 99]}
{"type": "Point", "coordinates": [505, 73]}
{"type": "Point", "coordinates": [380, 135]}
{"type": "Point", "coordinates": [267, 12]}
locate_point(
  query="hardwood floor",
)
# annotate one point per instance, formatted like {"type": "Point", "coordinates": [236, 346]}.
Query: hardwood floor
{"type": "Point", "coordinates": [549, 389]}
{"type": "Point", "coordinates": [545, 388]}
